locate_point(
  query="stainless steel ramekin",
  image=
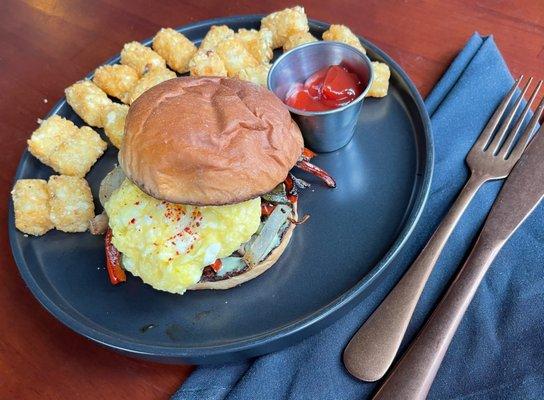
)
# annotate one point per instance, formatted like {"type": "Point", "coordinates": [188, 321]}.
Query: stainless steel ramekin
{"type": "Point", "coordinates": [323, 131]}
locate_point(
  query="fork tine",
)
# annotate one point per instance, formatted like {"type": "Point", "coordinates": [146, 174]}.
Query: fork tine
{"type": "Point", "coordinates": [509, 142]}
{"type": "Point", "coordinates": [487, 133]}
{"type": "Point", "coordinates": [527, 134]}
{"type": "Point", "coordinates": [501, 133]}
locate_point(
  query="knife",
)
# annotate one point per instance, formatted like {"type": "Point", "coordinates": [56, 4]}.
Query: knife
{"type": "Point", "coordinates": [523, 190]}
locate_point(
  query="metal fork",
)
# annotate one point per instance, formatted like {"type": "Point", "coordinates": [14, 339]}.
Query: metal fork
{"type": "Point", "coordinates": [372, 349]}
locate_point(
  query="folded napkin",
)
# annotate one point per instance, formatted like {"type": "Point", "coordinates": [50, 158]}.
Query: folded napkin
{"type": "Point", "coordinates": [498, 351]}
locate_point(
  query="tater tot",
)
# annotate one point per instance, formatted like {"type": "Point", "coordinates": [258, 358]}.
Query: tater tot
{"type": "Point", "coordinates": [257, 75]}
{"type": "Point", "coordinates": [285, 23]}
{"type": "Point", "coordinates": [31, 205]}
{"type": "Point", "coordinates": [77, 153]}
{"type": "Point", "coordinates": [207, 63]}
{"type": "Point", "coordinates": [88, 101]}
{"type": "Point", "coordinates": [258, 43]}
{"type": "Point", "coordinates": [235, 56]}
{"type": "Point", "coordinates": [44, 141]}
{"type": "Point", "coordinates": [116, 80]}
{"type": "Point", "coordinates": [150, 79]}
{"type": "Point", "coordinates": [114, 123]}
{"type": "Point", "coordinates": [216, 35]}
{"type": "Point", "coordinates": [141, 58]}
{"type": "Point", "coordinates": [341, 33]}
{"type": "Point", "coordinates": [71, 203]}
{"type": "Point", "coordinates": [297, 39]}
{"type": "Point", "coordinates": [175, 48]}
{"type": "Point", "coordinates": [380, 84]}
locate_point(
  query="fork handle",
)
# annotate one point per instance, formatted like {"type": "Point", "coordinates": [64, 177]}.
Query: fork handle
{"type": "Point", "coordinates": [372, 349]}
{"type": "Point", "coordinates": [413, 376]}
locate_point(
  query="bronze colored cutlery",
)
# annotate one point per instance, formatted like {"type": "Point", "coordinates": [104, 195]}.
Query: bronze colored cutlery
{"type": "Point", "coordinates": [372, 349]}
{"type": "Point", "coordinates": [523, 190]}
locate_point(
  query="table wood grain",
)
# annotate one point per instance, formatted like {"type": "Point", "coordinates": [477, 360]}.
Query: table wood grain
{"type": "Point", "coordinates": [45, 45]}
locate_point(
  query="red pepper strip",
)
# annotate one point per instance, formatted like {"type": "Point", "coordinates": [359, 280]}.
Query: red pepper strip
{"type": "Point", "coordinates": [266, 209]}
{"type": "Point", "coordinates": [216, 266]}
{"type": "Point", "coordinates": [113, 261]}
{"type": "Point", "coordinates": [316, 171]}
{"type": "Point", "coordinates": [308, 154]}
{"type": "Point", "coordinates": [290, 189]}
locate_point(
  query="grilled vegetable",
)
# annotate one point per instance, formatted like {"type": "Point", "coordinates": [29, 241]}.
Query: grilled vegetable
{"type": "Point", "coordinates": [113, 261]}
{"type": "Point", "coordinates": [316, 171]}
{"type": "Point", "coordinates": [110, 183]}
{"type": "Point", "coordinates": [261, 245]}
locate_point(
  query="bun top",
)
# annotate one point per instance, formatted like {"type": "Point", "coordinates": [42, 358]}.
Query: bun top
{"type": "Point", "coordinates": [208, 141]}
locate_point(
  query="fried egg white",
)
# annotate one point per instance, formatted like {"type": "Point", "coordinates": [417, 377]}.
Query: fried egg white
{"type": "Point", "coordinates": [168, 245]}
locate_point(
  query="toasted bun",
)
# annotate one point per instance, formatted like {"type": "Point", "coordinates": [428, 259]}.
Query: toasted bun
{"type": "Point", "coordinates": [208, 141]}
{"type": "Point", "coordinates": [256, 270]}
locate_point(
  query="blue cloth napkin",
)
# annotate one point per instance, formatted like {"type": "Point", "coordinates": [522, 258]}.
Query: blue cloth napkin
{"type": "Point", "coordinates": [498, 351]}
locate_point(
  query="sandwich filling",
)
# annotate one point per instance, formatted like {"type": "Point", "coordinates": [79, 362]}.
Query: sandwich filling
{"type": "Point", "coordinates": [168, 245]}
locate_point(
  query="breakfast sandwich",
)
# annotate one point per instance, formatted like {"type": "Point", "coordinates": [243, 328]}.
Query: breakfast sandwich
{"type": "Point", "coordinates": [203, 197]}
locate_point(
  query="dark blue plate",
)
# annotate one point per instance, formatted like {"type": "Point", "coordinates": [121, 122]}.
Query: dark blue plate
{"type": "Point", "coordinates": [333, 260]}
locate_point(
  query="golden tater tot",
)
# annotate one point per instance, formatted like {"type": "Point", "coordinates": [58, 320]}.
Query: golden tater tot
{"type": "Point", "coordinates": [257, 75]}
{"type": "Point", "coordinates": [216, 35]}
{"type": "Point", "coordinates": [380, 84]}
{"type": "Point", "coordinates": [87, 100]}
{"type": "Point", "coordinates": [51, 132]}
{"type": "Point", "coordinates": [285, 23]}
{"type": "Point", "coordinates": [141, 58]}
{"type": "Point", "coordinates": [297, 39]}
{"type": "Point", "coordinates": [150, 79]}
{"type": "Point", "coordinates": [207, 63]}
{"type": "Point", "coordinates": [77, 153]}
{"type": "Point", "coordinates": [258, 43]}
{"type": "Point", "coordinates": [341, 33]}
{"type": "Point", "coordinates": [71, 203]}
{"type": "Point", "coordinates": [235, 56]}
{"type": "Point", "coordinates": [175, 48]}
{"type": "Point", "coordinates": [114, 123]}
{"type": "Point", "coordinates": [66, 148]}
{"type": "Point", "coordinates": [116, 80]}
{"type": "Point", "coordinates": [31, 204]}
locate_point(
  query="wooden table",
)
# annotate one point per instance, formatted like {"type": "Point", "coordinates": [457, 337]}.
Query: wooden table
{"type": "Point", "coordinates": [45, 45]}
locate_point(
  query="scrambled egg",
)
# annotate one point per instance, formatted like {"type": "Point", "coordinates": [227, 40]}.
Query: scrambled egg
{"type": "Point", "coordinates": [168, 245]}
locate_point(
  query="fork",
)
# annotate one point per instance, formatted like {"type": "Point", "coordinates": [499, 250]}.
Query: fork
{"type": "Point", "coordinates": [371, 351]}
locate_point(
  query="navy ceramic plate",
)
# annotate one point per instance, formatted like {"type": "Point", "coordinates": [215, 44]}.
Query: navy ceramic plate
{"type": "Point", "coordinates": [333, 260]}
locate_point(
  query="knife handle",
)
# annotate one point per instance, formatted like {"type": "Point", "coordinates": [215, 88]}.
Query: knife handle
{"type": "Point", "coordinates": [371, 351]}
{"type": "Point", "coordinates": [413, 376]}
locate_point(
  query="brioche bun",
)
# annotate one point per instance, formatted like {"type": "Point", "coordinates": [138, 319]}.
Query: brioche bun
{"type": "Point", "coordinates": [256, 270]}
{"type": "Point", "coordinates": [208, 141]}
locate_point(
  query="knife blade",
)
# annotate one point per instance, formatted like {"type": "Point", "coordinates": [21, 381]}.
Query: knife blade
{"type": "Point", "coordinates": [521, 193]}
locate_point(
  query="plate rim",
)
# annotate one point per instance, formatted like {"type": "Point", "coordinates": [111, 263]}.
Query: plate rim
{"type": "Point", "coordinates": [273, 339]}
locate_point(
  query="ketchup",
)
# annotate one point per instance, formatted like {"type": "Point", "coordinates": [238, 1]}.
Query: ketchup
{"type": "Point", "coordinates": [327, 89]}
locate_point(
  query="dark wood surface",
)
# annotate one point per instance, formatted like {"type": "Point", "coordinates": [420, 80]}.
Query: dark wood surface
{"type": "Point", "coordinates": [45, 45]}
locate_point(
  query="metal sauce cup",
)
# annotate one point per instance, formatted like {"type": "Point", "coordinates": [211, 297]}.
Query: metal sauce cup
{"type": "Point", "coordinates": [323, 131]}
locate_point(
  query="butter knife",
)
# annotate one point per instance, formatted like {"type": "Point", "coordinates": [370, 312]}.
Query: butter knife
{"type": "Point", "coordinates": [413, 376]}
